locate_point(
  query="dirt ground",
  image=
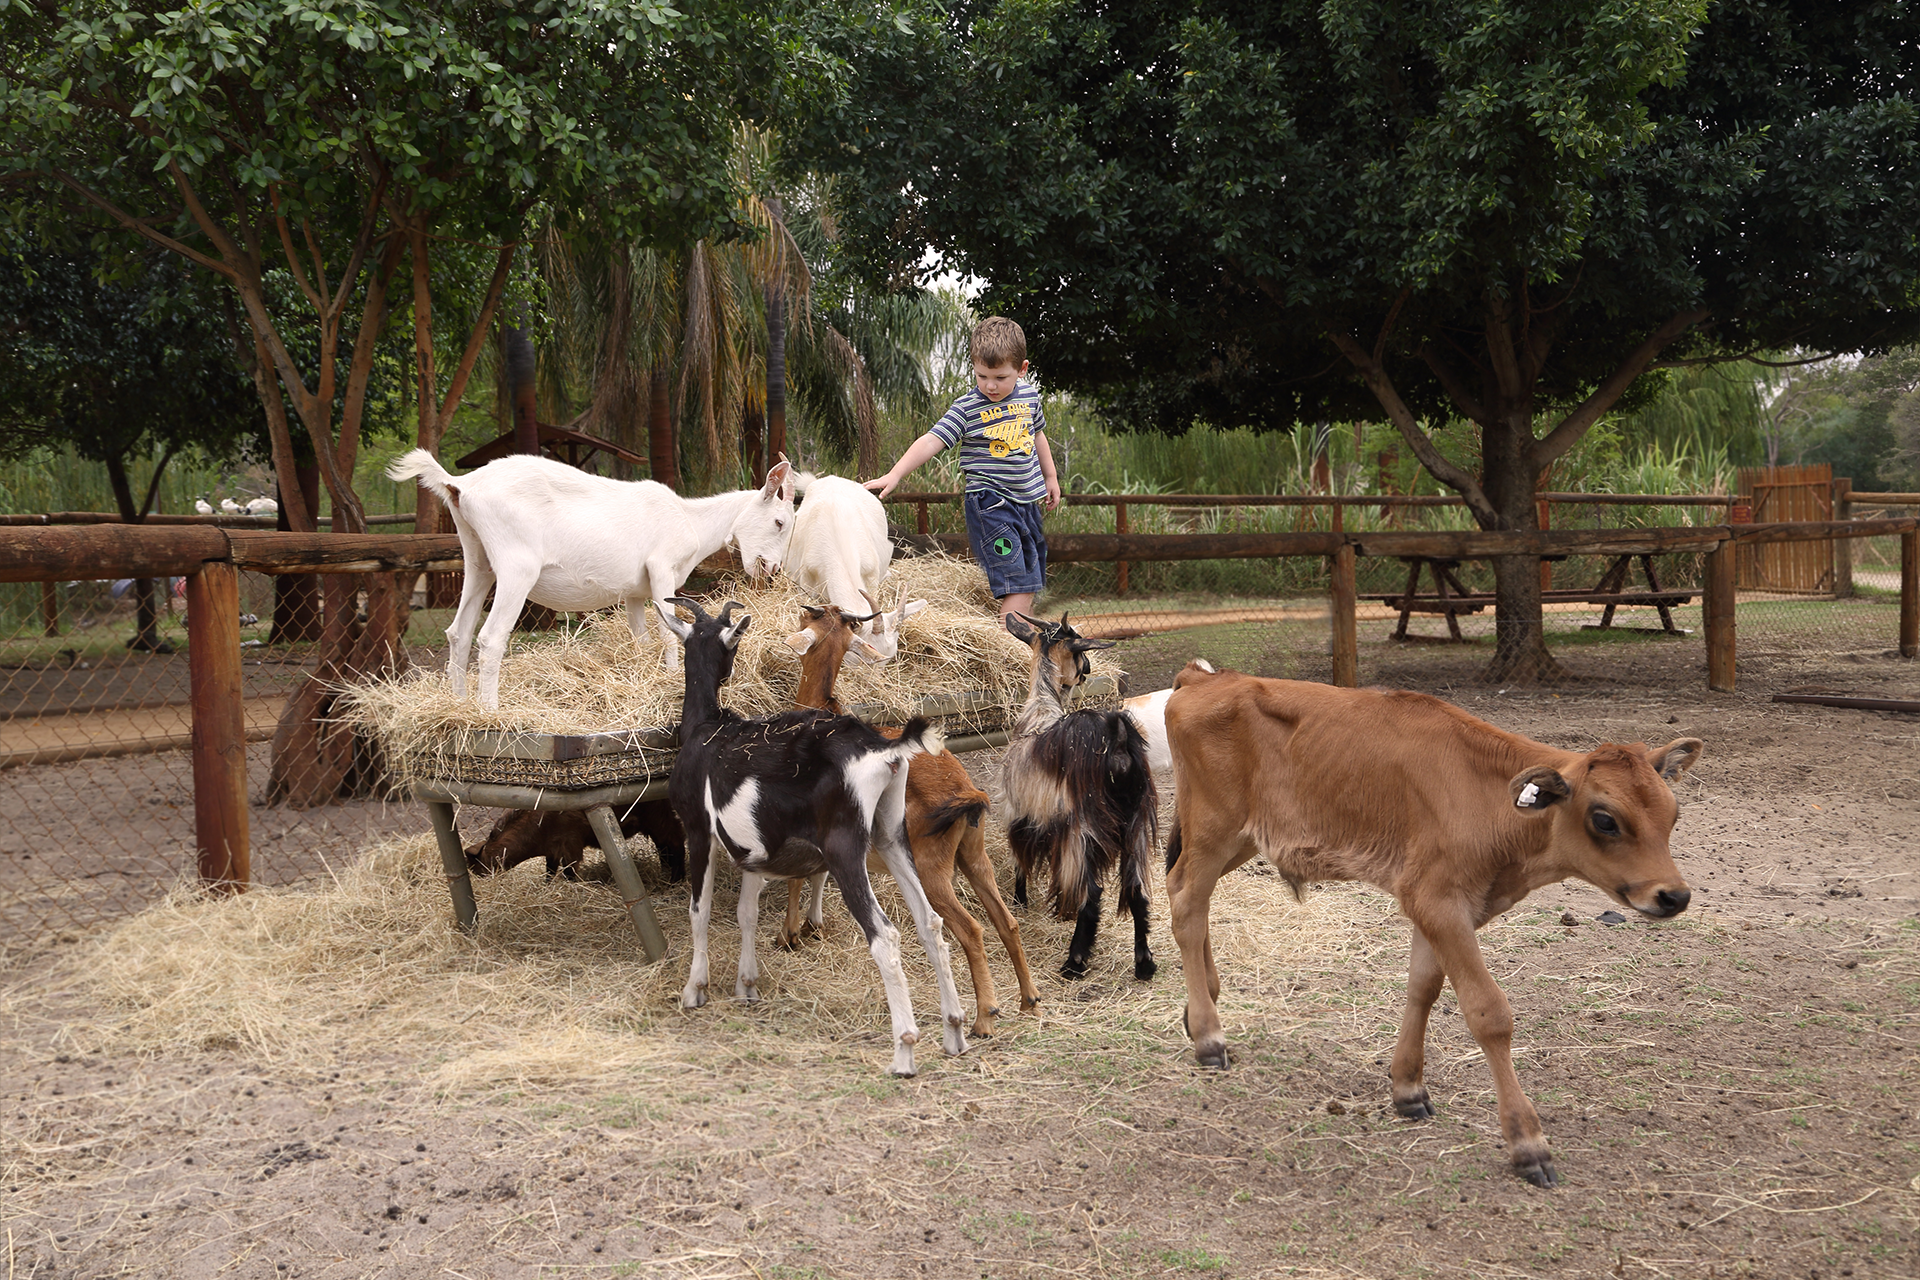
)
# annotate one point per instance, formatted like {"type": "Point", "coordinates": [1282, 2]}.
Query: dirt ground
{"type": "Point", "coordinates": [1730, 1093]}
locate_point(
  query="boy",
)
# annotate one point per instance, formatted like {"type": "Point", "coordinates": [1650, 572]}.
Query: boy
{"type": "Point", "coordinates": [1001, 432]}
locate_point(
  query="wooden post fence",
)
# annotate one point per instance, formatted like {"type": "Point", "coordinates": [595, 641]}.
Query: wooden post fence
{"type": "Point", "coordinates": [211, 559]}
{"type": "Point", "coordinates": [1717, 613]}
{"type": "Point", "coordinates": [1120, 526]}
{"type": "Point", "coordinates": [50, 608]}
{"type": "Point", "coordinates": [219, 727]}
{"type": "Point", "coordinates": [1910, 594]}
{"type": "Point", "coordinates": [1342, 623]}
{"type": "Point", "coordinates": [1842, 547]}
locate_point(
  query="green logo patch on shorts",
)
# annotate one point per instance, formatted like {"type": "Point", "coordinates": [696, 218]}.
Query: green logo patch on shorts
{"type": "Point", "coordinates": [1003, 546]}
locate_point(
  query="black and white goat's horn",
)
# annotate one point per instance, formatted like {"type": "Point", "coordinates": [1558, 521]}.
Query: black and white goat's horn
{"type": "Point", "coordinates": [692, 606]}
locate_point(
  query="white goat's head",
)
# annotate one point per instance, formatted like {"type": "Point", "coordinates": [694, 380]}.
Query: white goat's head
{"type": "Point", "coordinates": [763, 529]}
{"type": "Point", "coordinates": [882, 630]}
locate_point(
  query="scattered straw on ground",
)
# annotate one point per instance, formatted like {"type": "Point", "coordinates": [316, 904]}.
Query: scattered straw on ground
{"type": "Point", "coordinates": [594, 679]}
{"type": "Point", "coordinates": [554, 991]}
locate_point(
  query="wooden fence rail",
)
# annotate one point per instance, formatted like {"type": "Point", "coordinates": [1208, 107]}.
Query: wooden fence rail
{"type": "Point", "coordinates": [211, 557]}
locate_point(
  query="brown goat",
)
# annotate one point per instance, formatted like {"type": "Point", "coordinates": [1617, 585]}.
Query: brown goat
{"type": "Point", "coordinates": [520, 835]}
{"type": "Point", "coordinates": [944, 829]}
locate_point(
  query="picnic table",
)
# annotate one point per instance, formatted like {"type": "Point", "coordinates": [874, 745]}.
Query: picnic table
{"type": "Point", "coordinates": [1450, 597]}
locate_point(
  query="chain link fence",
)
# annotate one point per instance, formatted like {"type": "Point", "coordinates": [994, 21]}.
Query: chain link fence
{"type": "Point", "coordinates": [96, 784]}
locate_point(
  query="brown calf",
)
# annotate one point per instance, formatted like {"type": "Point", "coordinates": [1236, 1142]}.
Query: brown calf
{"type": "Point", "coordinates": [944, 830]}
{"type": "Point", "coordinates": [1455, 818]}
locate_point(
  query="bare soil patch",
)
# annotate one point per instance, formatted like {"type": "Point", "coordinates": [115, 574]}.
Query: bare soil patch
{"type": "Point", "coordinates": [1729, 1093]}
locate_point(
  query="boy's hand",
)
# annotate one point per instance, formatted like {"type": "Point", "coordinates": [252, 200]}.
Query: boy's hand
{"type": "Point", "coordinates": [884, 485]}
{"type": "Point", "coordinates": [1053, 493]}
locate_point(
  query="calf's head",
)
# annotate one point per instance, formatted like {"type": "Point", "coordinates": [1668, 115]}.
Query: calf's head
{"type": "Point", "coordinates": [1613, 814]}
{"type": "Point", "coordinates": [765, 525]}
{"type": "Point", "coordinates": [1059, 652]}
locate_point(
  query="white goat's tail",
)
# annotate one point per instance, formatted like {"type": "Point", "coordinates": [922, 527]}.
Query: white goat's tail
{"type": "Point", "coordinates": [418, 464]}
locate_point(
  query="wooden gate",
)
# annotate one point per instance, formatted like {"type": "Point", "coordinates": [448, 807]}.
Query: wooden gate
{"type": "Point", "coordinates": [1787, 493]}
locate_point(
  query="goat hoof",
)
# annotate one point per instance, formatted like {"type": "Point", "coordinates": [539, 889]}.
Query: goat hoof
{"type": "Point", "coordinates": [1144, 968]}
{"type": "Point", "coordinates": [1537, 1169]}
{"type": "Point", "coordinates": [786, 941]}
{"type": "Point", "coordinates": [981, 1032]}
{"type": "Point", "coordinates": [1075, 968]}
{"type": "Point", "coordinates": [747, 993]}
{"type": "Point", "coordinates": [1414, 1108]}
{"type": "Point", "coordinates": [693, 997]}
{"type": "Point", "coordinates": [1028, 1006]}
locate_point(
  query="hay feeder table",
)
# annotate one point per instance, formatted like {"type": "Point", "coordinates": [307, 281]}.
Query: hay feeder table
{"type": "Point", "coordinates": [597, 773]}
{"type": "Point", "coordinates": [594, 773]}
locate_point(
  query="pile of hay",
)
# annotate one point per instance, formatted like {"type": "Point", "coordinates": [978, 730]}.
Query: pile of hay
{"type": "Point", "coordinates": [367, 968]}
{"type": "Point", "coordinates": [593, 679]}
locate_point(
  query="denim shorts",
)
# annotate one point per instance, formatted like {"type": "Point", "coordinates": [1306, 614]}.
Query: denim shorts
{"type": "Point", "coordinates": [1008, 541]}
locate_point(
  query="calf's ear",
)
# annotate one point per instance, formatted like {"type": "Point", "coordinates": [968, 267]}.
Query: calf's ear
{"type": "Point", "coordinates": [1676, 757]}
{"type": "Point", "coordinates": [1537, 788]}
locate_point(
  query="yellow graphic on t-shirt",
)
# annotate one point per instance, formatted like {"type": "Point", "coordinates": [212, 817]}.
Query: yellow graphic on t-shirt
{"type": "Point", "coordinates": [1008, 428]}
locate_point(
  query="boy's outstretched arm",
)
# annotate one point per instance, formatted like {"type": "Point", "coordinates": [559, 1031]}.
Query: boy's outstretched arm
{"type": "Point", "coordinates": [1047, 471]}
{"type": "Point", "coordinates": [917, 452]}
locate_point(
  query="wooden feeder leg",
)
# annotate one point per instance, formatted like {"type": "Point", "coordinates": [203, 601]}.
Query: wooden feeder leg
{"type": "Point", "coordinates": [453, 861]}
{"type": "Point", "coordinates": [1346, 635]}
{"type": "Point", "coordinates": [1718, 616]}
{"type": "Point", "coordinates": [1910, 594]}
{"type": "Point", "coordinates": [633, 890]}
{"type": "Point", "coordinates": [219, 727]}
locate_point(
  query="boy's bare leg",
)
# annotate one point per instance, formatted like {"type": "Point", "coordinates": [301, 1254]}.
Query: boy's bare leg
{"type": "Point", "coordinates": [1018, 602]}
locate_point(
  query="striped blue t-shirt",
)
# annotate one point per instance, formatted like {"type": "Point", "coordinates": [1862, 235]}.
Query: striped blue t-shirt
{"type": "Point", "coordinates": [996, 439]}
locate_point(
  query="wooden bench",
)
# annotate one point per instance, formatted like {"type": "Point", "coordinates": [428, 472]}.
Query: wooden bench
{"type": "Point", "coordinates": [1450, 597]}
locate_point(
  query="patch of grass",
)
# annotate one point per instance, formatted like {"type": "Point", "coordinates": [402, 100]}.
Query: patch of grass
{"type": "Point", "coordinates": [1193, 1259]}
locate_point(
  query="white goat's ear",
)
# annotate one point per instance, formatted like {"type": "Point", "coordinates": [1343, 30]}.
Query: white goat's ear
{"type": "Point", "coordinates": [801, 640]}
{"type": "Point", "coordinates": [907, 609]}
{"type": "Point", "coordinates": [780, 481]}
{"type": "Point", "coordinates": [679, 628]}
{"type": "Point", "coordinates": [730, 635]}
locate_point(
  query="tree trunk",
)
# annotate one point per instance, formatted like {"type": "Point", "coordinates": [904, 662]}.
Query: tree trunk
{"type": "Point", "coordinates": [296, 596]}
{"type": "Point", "coordinates": [146, 610]}
{"type": "Point", "coordinates": [1509, 480]}
{"type": "Point", "coordinates": [753, 443]}
{"type": "Point", "coordinates": [777, 342]}
{"type": "Point", "coordinates": [660, 442]}
{"type": "Point", "coordinates": [526, 417]}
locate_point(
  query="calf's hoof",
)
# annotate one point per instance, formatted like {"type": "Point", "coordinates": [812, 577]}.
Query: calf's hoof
{"type": "Point", "coordinates": [1143, 967]}
{"type": "Point", "coordinates": [1415, 1107]}
{"type": "Point", "coordinates": [1537, 1168]}
{"type": "Point", "coordinates": [1075, 968]}
{"type": "Point", "coordinates": [1211, 1055]}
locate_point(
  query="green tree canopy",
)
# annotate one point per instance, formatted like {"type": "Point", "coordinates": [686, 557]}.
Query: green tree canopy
{"type": "Point", "coordinates": [1419, 211]}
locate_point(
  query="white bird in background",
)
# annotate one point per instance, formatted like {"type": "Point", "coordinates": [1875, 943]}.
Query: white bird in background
{"type": "Point", "coordinates": [231, 507]}
{"type": "Point", "coordinates": [263, 507]}
{"type": "Point", "coordinates": [200, 505]}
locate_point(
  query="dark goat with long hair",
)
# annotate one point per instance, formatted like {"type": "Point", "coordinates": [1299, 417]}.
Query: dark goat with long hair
{"type": "Point", "coordinates": [1080, 796]}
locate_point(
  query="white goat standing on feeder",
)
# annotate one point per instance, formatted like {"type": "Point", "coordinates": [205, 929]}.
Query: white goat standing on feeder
{"type": "Point", "coordinates": [535, 529]}
{"type": "Point", "coordinates": [840, 555]}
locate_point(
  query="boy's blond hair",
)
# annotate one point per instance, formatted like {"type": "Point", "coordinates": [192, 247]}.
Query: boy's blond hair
{"type": "Point", "coordinates": [997, 341]}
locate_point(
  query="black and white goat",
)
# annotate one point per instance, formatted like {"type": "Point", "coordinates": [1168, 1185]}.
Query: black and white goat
{"type": "Point", "coordinates": [790, 795]}
{"type": "Point", "coordinates": [1079, 796]}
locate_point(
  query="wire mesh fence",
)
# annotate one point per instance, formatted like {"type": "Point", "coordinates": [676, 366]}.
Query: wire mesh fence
{"type": "Point", "coordinates": [96, 782]}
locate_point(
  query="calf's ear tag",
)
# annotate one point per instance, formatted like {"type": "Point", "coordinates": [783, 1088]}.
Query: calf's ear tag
{"type": "Point", "coordinates": [1528, 797]}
